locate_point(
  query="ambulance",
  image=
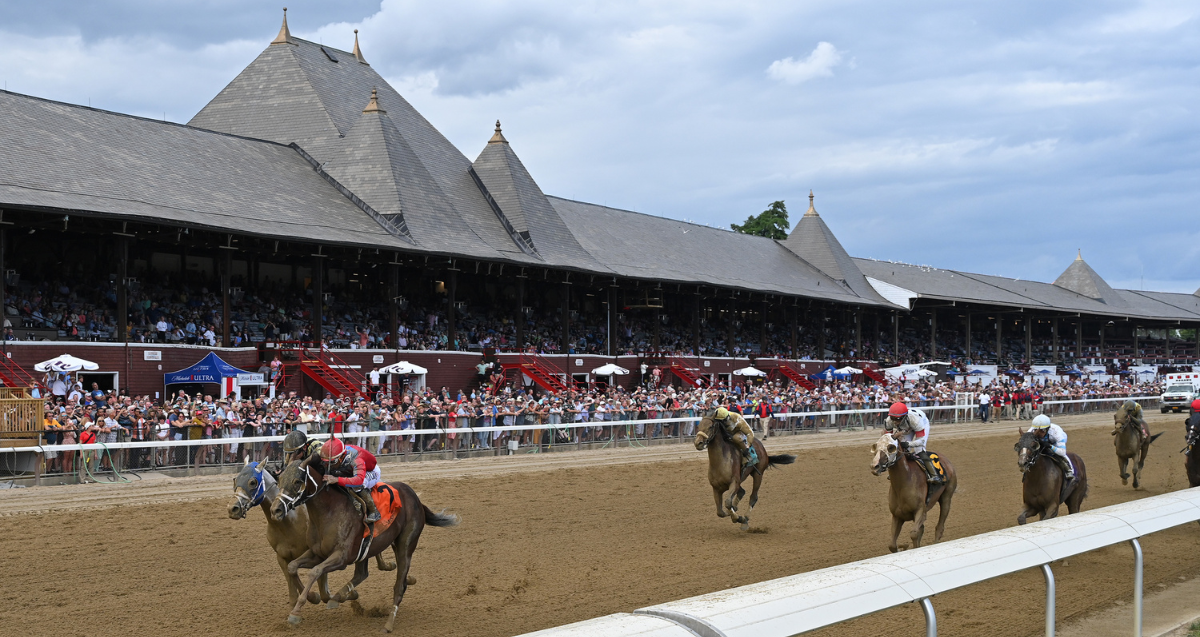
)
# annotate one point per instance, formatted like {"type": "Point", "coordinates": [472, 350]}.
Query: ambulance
{"type": "Point", "coordinates": [1181, 390]}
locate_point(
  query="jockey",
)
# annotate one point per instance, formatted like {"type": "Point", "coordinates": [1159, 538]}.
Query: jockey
{"type": "Point", "coordinates": [353, 468]}
{"type": "Point", "coordinates": [738, 430]}
{"type": "Point", "coordinates": [297, 446]}
{"type": "Point", "coordinates": [1193, 420]}
{"type": "Point", "coordinates": [1130, 410]}
{"type": "Point", "coordinates": [1043, 429]}
{"type": "Point", "coordinates": [912, 428]}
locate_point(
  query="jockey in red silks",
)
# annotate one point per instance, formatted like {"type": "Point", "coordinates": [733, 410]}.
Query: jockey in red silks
{"type": "Point", "coordinates": [353, 468]}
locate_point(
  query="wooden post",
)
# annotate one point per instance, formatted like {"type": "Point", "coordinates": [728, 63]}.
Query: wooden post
{"type": "Point", "coordinates": [226, 267]}
{"type": "Point", "coordinates": [933, 334]}
{"type": "Point", "coordinates": [519, 316]}
{"type": "Point", "coordinates": [968, 338]}
{"type": "Point", "coordinates": [696, 323]}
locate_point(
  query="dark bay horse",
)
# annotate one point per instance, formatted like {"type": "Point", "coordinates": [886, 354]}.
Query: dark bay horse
{"type": "Point", "coordinates": [1131, 446]}
{"type": "Point", "coordinates": [1192, 450]}
{"type": "Point", "coordinates": [256, 487]}
{"type": "Point", "coordinates": [725, 472]}
{"type": "Point", "coordinates": [909, 495]}
{"type": "Point", "coordinates": [336, 529]}
{"type": "Point", "coordinates": [1042, 480]}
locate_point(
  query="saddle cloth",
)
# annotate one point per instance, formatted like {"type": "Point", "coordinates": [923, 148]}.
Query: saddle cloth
{"type": "Point", "coordinates": [937, 463]}
{"type": "Point", "coordinates": [388, 503]}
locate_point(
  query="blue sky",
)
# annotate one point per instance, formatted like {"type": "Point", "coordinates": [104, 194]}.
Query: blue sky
{"type": "Point", "coordinates": [992, 137]}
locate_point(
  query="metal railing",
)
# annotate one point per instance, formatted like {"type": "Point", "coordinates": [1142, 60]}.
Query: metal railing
{"type": "Point", "coordinates": [437, 439]}
{"type": "Point", "coordinates": [792, 605]}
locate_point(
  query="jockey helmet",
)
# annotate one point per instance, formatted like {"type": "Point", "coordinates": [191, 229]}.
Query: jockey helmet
{"type": "Point", "coordinates": [1041, 422]}
{"type": "Point", "coordinates": [898, 410]}
{"type": "Point", "coordinates": [1129, 405]}
{"type": "Point", "coordinates": [721, 414]}
{"type": "Point", "coordinates": [294, 441]}
{"type": "Point", "coordinates": [1196, 405]}
{"type": "Point", "coordinates": [333, 449]}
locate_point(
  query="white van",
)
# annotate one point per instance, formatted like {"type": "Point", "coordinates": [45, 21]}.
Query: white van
{"type": "Point", "coordinates": [1181, 390]}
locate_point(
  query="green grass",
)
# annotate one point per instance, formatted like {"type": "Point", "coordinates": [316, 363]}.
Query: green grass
{"type": "Point", "coordinates": [1194, 630]}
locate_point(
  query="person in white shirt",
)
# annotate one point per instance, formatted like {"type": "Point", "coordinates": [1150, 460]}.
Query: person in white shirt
{"type": "Point", "coordinates": [985, 406]}
{"type": "Point", "coordinates": [374, 379]}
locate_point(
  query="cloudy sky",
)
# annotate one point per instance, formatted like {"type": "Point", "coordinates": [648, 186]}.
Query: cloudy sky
{"type": "Point", "coordinates": [993, 137]}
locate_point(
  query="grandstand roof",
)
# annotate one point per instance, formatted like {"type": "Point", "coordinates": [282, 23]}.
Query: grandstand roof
{"type": "Point", "coordinates": [310, 143]}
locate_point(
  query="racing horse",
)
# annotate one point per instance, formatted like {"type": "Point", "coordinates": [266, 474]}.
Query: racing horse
{"type": "Point", "coordinates": [1042, 479]}
{"type": "Point", "coordinates": [338, 537]}
{"type": "Point", "coordinates": [725, 471]}
{"type": "Point", "coordinates": [1131, 446]}
{"type": "Point", "coordinates": [1191, 453]}
{"type": "Point", "coordinates": [254, 486]}
{"type": "Point", "coordinates": [909, 495]}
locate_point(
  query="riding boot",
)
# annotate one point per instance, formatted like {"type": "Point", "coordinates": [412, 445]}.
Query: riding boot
{"type": "Point", "coordinates": [930, 471]}
{"type": "Point", "coordinates": [1065, 465]}
{"type": "Point", "coordinates": [364, 496]}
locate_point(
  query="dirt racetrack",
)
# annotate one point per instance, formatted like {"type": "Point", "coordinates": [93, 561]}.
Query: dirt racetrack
{"type": "Point", "coordinates": [557, 538]}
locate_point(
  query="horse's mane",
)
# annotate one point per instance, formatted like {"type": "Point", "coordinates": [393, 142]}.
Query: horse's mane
{"type": "Point", "coordinates": [712, 424]}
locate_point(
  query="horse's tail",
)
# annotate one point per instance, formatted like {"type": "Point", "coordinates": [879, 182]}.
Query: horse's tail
{"type": "Point", "coordinates": [1154, 437]}
{"type": "Point", "coordinates": [783, 458]}
{"type": "Point", "coordinates": [441, 518]}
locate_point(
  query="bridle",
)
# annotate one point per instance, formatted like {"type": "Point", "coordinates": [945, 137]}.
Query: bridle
{"type": "Point", "coordinates": [293, 501]}
{"type": "Point", "coordinates": [1034, 454]}
{"type": "Point", "coordinates": [890, 458]}
{"type": "Point", "coordinates": [244, 502]}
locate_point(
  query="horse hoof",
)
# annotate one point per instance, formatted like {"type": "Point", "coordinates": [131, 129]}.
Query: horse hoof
{"type": "Point", "coordinates": [411, 580]}
{"type": "Point", "coordinates": [294, 620]}
{"type": "Point", "coordinates": [745, 526]}
{"type": "Point", "coordinates": [313, 599]}
{"type": "Point", "coordinates": [352, 596]}
{"type": "Point", "coordinates": [333, 603]}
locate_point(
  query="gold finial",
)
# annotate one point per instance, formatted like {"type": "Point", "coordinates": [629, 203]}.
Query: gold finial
{"type": "Point", "coordinates": [357, 51]}
{"type": "Point", "coordinates": [497, 137]}
{"type": "Point", "coordinates": [373, 105]}
{"type": "Point", "coordinates": [1079, 257]}
{"type": "Point", "coordinates": [285, 36]}
{"type": "Point", "coordinates": [812, 209]}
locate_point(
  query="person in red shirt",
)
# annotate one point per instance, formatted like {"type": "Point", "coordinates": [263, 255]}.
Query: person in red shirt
{"type": "Point", "coordinates": [355, 469]}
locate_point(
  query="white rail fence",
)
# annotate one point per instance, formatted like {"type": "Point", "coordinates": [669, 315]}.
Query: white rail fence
{"type": "Point", "coordinates": [793, 605]}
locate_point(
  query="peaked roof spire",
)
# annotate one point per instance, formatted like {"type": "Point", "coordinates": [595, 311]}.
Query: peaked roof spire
{"type": "Point", "coordinates": [812, 210]}
{"type": "Point", "coordinates": [357, 51]}
{"type": "Point", "coordinates": [373, 105]}
{"type": "Point", "coordinates": [497, 137]}
{"type": "Point", "coordinates": [285, 36]}
{"type": "Point", "coordinates": [1080, 278]}
{"type": "Point", "coordinates": [1079, 255]}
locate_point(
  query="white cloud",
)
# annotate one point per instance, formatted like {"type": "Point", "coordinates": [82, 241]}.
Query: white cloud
{"type": "Point", "coordinates": [819, 63]}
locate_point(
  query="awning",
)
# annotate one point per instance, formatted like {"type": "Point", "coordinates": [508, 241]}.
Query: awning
{"type": "Point", "coordinates": [749, 371]}
{"type": "Point", "coordinates": [210, 369]}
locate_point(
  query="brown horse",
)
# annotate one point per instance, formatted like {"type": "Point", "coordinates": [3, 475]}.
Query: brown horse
{"type": "Point", "coordinates": [336, 530]}
{"type": "Point", "coordinates": [1191, 451]}
{"type": "Point", "coordinates": [909, 494]}
{"type": "Point", "coordinates": [1131, 445]}
{"type": "Point", "coordinates": [254, 486]}
{"type": "Point", "coordinates": [725, 471]}
{"type": "Point", "coordinates": [1042, 480]}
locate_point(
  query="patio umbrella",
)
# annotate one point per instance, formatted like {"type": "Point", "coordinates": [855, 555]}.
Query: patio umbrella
{"type": "Point", "coordinates": [848, 370]}
{"type": "Point", "coordinates": [403, 367]}
{"type": "Point", "coordinates": [749, 371]}
{"type": "Point", "coordinates": [610, 369]}
{"type": "Point", "coordinates": [66, 363]}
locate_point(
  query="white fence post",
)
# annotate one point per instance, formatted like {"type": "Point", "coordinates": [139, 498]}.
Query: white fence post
{"type": "Point", "coordinates": [1049, 599]}
{"type": "Point", "coordinates": [1137, 587]}
{"type": "Point", "coordinates": [930, 617]}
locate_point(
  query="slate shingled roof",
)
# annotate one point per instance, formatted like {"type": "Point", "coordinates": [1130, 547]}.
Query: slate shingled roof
{"type": "Point", "coordinates": [813, 241]}
{"type": "Point", "coordinates": [1079, 277]}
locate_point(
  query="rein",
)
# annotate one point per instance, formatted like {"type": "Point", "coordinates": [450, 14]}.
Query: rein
{"type": "Point", "coordinates": [293, 501]}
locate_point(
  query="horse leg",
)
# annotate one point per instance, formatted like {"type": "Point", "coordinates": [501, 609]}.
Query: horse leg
{"type": "Point", "coordinates": [754, 490]}
{"type": "Point", "coordinates": [897, 523]}
{"type": "Point", "coordinates": [403, 562]}
{"type": "Point", "coordinates": [943, 513]}
{"type": "Point", "coordinates": [382, 563]}
{"type": "Point", "coordinates": [1028, 511]}
{"type": "Point", "coordinates": [307, 560]}
{"type": "Point", "coordinates": [1121, 465]}
{"type": "Point", "coordinates": [918, 526]}
{"type": "Point", "coordinates": [716, 496]}
{"type": "Point", "coordinates": [360, 574]}
{"type": "Point", "coordinates": [1052, 513]}
{"type": "Point", "coordinates": [334, 562]}
{"type": "Point", "coordinates": [293, 581]}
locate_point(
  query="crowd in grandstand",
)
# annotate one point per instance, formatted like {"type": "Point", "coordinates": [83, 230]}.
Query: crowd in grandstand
{"type": "Point", "coordinates": [77, 414]}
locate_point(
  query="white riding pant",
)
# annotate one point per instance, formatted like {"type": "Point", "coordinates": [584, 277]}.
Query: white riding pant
{"type": "Point", "coordinates": [372, 478]}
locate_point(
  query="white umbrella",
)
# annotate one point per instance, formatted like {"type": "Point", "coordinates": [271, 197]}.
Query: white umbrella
{"type": "Point", "coordinates": [749, 371]}
{"type": "Point", "coordinates": [403, 367]}
{"type": "Point", "coordinates": [921, 373]}
{"type": "Point", "coordinates": [848, 370]}
{"type": "Point", "coordinates": [65, 363]}
{"type": "Point", "coordinates": [610, 369]}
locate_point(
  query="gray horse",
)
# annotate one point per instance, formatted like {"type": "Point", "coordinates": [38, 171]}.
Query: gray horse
{"type": "Point", "coordinates": [254, 486]}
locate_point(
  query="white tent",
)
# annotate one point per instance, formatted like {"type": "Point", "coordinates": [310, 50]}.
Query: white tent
{"type": "Point", "coordinates": [609, 370]}
{"type": "Point", "coordinates": [66, 363]}
{"type": "Point", "coordinates": [404, 367]}
{"type": "Point", "coordinates": [848, 370]}
{"type": "Point", "coordinates": [749, 371]}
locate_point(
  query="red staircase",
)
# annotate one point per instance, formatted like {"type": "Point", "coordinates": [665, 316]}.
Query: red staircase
{"type": "Point", "coordinates": [340, 381]}
{"type": "Point", "coordinates": [543, 375]}
{"type": "Point", "coordinates": [791, 374]}
{"type": "Point", "coordinates": [12, 375]}
{"type": "Point", "coordinates": [685, 375]}
{"type": "Point", "coordinates": [874, 375]}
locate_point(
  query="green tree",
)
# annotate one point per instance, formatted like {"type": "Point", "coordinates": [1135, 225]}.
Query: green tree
{"type": "Point", "coordinates": [772, 223]}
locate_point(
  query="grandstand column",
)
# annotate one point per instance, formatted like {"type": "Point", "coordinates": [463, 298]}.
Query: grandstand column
{"type": "Point", "coordinates": [519, 316]}
{"type": "Point", "coordinates": [1103, 329]}
{"type": "Point", "coordinates": [821, 335]}
{"type": "Point", "coordinates": [729, 328]}
{"type": "Point", "coordinates": [3, 273]}
{"type": "Point", "coordinates": [1167, 338]}
{"type": "Point", "coordinates": [565, 346]}
{"type": "Point", "coordinates": [393, 303]}
{"type": "Point", "coordinates": [226, 268]}
{"type": "Point", "coordinates": [122, 289]}
{"type": "Point", "coordinates": [968, 335]}
{"type": "Point", "coordinates": [999, 342]}
{"type": "Point", "coordinates": [1195, 327]}
{"type": "Point", "coordinates": [1054, 339]}
{"type": "Point", "coordinates": [318, 289]}
{"type": "Point", "coordinates": [451, 294]}
{"type": "Point", "coordinates": [1028, 340]}
{"type": "Point", "coordinates": [858, 332]}
{"type": "Point", "coordinates": [1079, 338]}
{"type": "Point", "coordinates": [609, 337]}
{"type": "Point", "coordinates": [794, 329]}
{"type": "Point", "coordinates": [933, 334]}
{"type": "Point", "coordinates": [695, 324]}
{"type": "Point", "coordinates": [762, 330]}
{"type": "Point", "coordinates": [896, 335]}
{"type": "Point", "coordinates": [1136, 344]}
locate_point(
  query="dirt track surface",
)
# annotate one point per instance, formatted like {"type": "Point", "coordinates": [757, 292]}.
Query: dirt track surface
{"type": "Point", "coordinates": [556, 538]}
